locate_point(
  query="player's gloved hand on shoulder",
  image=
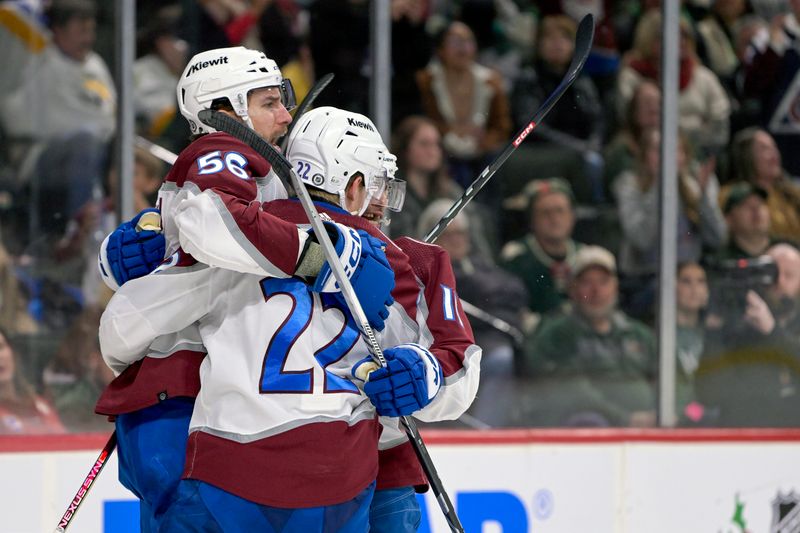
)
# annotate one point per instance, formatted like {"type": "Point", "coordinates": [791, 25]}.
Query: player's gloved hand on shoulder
{"type": "Point", "coordinates": [365, 264]}
{"type": "Point", "coordinates": [410, 381]}
{"type": "Point", "coordinates": [132, 250]}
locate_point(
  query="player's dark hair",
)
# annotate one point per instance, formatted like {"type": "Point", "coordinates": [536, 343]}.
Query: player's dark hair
{"type": "Point", "coordinates": [62, 11]}
{"type": "Point", "coordinates": [218, 104]}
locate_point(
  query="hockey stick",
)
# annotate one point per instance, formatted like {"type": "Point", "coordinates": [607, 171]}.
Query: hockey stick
{"type": "Point", "coordinates": [168, 157]}
{"type": "Point", "coordinates": [498, 323]}
{"type": "Point", "coordinates": [307, 101]}
{"type": "Point", "coordinates": [583, 44]}
{"type": "Point", "coordinates": [286, 173]}
{"type": "Point", "coordinates": [159, 151]}
{"type": "Point", "coordinates": [101, 461]}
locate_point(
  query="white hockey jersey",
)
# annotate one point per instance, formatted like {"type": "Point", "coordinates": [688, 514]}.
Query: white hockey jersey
{"type": "Point", "coordinates": [222, 229]}
{"type": "Point", "coordinates": [425, 300]}
{"type": "Point", "coordinates": [277, 401]}
{"type": "Point", "coordinates": [237, 179]}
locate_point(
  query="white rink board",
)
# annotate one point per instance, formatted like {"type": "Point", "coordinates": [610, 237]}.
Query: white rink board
{"type": "Point", "coordinates": [561, 488]}
{"type": "Point", "coordinates": [623, 487]}
{"type": "Point", "coordinates": [38, 487]}
{"type": "Point", "coordinates": [694, 487]}
{"type": "Point", "coordinates": [537, 482]}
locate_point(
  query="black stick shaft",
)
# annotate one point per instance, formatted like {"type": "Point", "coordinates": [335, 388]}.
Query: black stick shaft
{"type": "Point", "coordinates": [583, 45]}
{"type": "Point", "coordinates": [304, 105]}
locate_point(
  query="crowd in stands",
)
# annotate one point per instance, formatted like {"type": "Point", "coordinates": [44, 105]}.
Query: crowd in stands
{"type": "Point", "coordinates": [561, 246]}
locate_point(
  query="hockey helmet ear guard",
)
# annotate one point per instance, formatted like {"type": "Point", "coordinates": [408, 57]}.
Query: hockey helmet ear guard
{"type": "Point", "coordinates": [229, 73]}
{"type": "Point", "coordinates": [329, 145]}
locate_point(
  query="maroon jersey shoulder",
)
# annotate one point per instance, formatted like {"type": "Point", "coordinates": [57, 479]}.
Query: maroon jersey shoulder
{"type": "Point", "coordinates": [188, 166]}
{"type": "Point", "coordinates": [425, 258]}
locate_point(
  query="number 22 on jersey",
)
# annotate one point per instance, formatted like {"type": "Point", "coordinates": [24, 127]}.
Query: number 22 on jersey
{"type": "Point", "coordinates": [274, 377]}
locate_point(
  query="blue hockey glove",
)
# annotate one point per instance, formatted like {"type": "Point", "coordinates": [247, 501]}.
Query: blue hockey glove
{"type": "Point", "coordinates": [131, 252]}
{"type": "Point", "coordinates": [409, 382]}
{"type": "Point", "coordinates": [365, 263]}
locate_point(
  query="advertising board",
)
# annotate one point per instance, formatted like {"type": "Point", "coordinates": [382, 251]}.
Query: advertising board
{"type": "Point", "coordinates": [510, 481]}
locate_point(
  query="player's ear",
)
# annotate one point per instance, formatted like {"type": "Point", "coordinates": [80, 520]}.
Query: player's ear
{"type": "Point", "coordinates": [357, 181]}
{"type": "Point", "coordinates": [354, 186]}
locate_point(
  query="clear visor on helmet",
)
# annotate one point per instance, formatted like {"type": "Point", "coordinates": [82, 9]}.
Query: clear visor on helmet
{"type": "Point", "coordinates": [389, 193]}
{"type": "Point", "coordinates": [384, 189]}
{"type": "Point", "coordinates": [288, 98]}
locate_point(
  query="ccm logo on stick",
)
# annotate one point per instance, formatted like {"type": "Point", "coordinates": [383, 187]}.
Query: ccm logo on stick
{"type": "Point", "coordinates": [525, 132]}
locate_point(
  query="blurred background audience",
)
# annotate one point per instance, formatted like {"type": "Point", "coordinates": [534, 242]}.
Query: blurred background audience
{"type": "Point", "coordinates": [756, 160]}
{"type": "Point", "coordinates": [703, 106]}
{"type": "Point", "coordinates": [771, 78]}
{"type": "Point", "coordinates": [575, 125]}
{"type": "Point", "coordinates": [466, 100]}
{"type": "Point", "coordinates": [417, 144]}
{"type": "Point", "coordinates": [750, 371]}
{"type": "Point", "coordinates": [595, 365]}
{"type": "Point", "coordinates": [544, 256]}
{"type": "Point", "coordinates": [561, 245]}
{"type": "Point", "coordinates": [22, 410]}
{"type": "Point", "coordinates": [481, 283]}
{"type": "Point", "coordinates": [700, 222]}
{"type": "Point", "coordinates": [163, 55]}
{"type": "Point", "coordinates": [691, 303]}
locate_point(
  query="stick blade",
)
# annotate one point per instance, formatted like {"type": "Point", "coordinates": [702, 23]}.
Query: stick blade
{"type": "Point", "coordinates": [583, 43]}
{"type": "Point", "coordinates": [318, 87]}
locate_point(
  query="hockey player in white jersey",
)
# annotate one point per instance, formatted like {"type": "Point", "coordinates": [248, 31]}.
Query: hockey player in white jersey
{"type": "Point", "coordinates": [278, 419]}
{"type": "Point", "coordinates": [442, 328]}
{"type": "Point", "coordinates": [440, 321]}
{"type": "Point", "coordinates": [445, 330]}
{"type": "Point", "coordinates": [320, 146]}
{"type": "Point", "coordinates": [153, 399]}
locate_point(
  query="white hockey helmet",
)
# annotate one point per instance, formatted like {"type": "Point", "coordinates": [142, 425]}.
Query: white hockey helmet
{"type": "Point", "coordinates": [227, 73]}
{"type": "Point", "coordinates": [327, 146]}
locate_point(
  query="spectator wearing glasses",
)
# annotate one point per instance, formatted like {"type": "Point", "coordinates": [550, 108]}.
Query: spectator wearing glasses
{"type": "Point", "coordinates": [544, 256]}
